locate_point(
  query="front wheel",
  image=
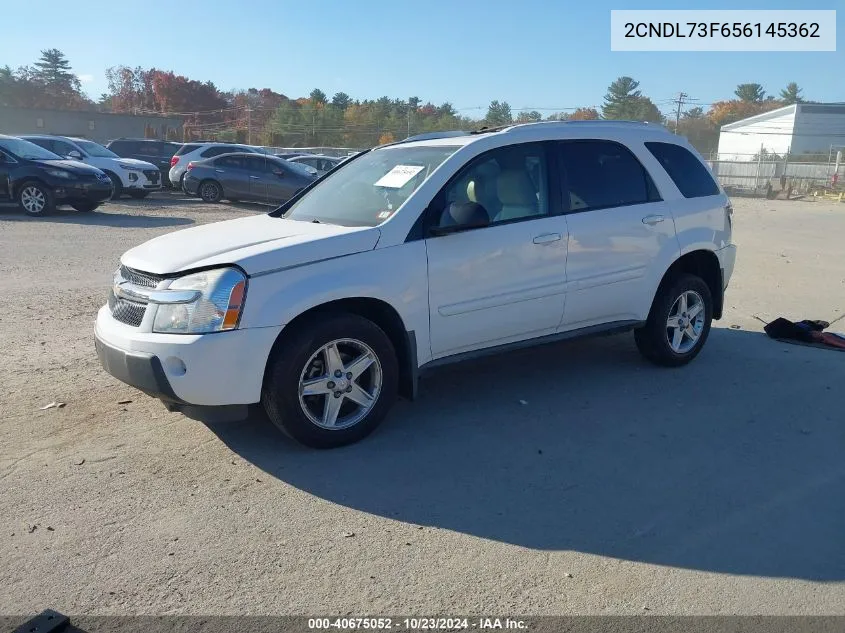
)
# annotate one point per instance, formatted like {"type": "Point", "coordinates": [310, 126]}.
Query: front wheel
{"type": "Point", "coordinates": [85, 207]}
{"type": "Point", "coordinates": [210, 191]}
{"type": "Point", "coordinates": [678, 324]}
{"type": "Point", "coordinates": [331, 382]}
{"type": "Point", "coordinates": [116, 186]}
{"type": "Point", "coordinates": [35, 199]}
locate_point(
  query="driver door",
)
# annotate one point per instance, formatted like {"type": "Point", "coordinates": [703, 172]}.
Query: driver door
{"type": "Point", "coordinates": [503, 282]}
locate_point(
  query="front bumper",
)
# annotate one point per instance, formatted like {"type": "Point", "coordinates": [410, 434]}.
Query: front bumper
{"type": "Point", "coordinates": [225, 368]}
{"type": "Point", "coordinates": [83, 192]}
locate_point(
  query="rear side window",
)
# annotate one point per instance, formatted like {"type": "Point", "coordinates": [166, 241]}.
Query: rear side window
{"type": "Point", "coordinates": [603, 174]}
{"type": "Point", "coordinates": [686, 171]}
{"type": "Point", "coordinates": [216, 150]}
{"type": "Point", "coordinates": [122, 148]}
{"type": "Point", "coordinates": [187, 148]}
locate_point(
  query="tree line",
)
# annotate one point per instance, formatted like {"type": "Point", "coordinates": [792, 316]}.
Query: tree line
{"type": "Point", "coordinates": [263, 116]}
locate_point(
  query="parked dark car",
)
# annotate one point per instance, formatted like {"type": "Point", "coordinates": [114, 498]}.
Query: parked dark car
{"type": "Point", "coordinates": [153, 151]}
{"type": "Point", "coordinates": [242, 176]}
{"type": "Point", "coordinates": [289, 155]}
{"type": "Point", "coordinates": [39, 180]}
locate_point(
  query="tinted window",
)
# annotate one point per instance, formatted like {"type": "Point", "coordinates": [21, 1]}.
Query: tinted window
{"type": "Point", "coordinates": [232, 162]}
{"type": "Point", "coordinates": [46, 143]}
{"type": "Point", "coordinates": [122, 148]}
{"type": "Point", "coordinates": [601, 174]}
{"type": "Point", "coordinates": [509, 182]}
{"type": "Point", "coordinates": [187, 148]}
{"type": "Point", "coordinates": [259, 163]}
{"type": "Point", "coordinates": [687, 172]}
{"type": "Point", "coordinates": [62, 148]}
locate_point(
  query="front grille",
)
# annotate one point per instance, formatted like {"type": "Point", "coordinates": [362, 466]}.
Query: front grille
{"type": "Point", "coordinates": [152, 175]}
{"type": "Point", "coordinates": [148, 280]}
{"type": "Point", "coordinates": [127, 312]}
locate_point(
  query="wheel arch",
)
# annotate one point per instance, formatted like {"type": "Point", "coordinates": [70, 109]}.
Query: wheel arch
{"type": "Point", "coordinates": [704, 264]}
{"type": "Point", "coordinates": [18, 184]}
{"type": "Point", "coordinates": [379, 312]}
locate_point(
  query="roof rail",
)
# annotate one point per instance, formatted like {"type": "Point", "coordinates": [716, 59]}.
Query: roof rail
{"type": "Point", "coordinates": [601, 122]}
{"type": "Point", "coordinates": [427, 136]}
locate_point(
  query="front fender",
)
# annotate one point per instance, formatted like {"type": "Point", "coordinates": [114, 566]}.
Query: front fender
{"type": "Point", "coordinates": [397, 275]}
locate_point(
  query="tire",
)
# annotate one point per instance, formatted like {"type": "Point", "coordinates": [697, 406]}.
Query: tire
{"type": "Point", "coordinates": [657, 341]}
{"type": "Point", "coordinates": [85, 207]}
{"type": "Point", "coordinates": [139, 195]}
{"type": "Point", "coordinates": [35, 199]}
{"type": "Point", "coordinates": [117, 186]}
{"type": "Point", "coordinates": [301, 356]}
{"type": "Point", "coordinates": [210, 191]}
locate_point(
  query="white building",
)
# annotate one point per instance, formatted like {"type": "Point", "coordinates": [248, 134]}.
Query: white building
{"type": "Point", "coordinates": [803, 128]}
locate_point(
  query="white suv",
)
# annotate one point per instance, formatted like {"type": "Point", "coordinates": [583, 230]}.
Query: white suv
{"type": "Point", "coordinates": [200, 151]}
{"type": "Point", "coordinates": [137, 178]}
{"type": "Point", "coordinates": [421, 253]}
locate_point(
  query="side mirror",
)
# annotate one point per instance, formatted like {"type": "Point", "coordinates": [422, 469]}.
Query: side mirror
{"type": "Point", "coordinates": [458, 217]}
{"type": "Point", "coordinates": [74, 155]}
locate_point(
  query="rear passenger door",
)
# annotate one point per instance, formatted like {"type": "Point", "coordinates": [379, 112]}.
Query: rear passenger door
{"type": "Point", "coordinates": [233, 176]}
{"type": "Point", "coordinates": [620, 232]}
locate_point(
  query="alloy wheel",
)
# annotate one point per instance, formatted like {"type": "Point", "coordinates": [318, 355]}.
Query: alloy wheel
{"type": "Point", "coordinates": [685, 322]}
{"type": "Point", "coordinates": [340, 384]}
{"type": "Point", "coordinates": [33, 200]}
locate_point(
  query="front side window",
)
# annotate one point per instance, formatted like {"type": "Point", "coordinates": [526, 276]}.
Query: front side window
{"type": "Point", "coordinates": [62, 148]}
{"type": "Point", "coordinates": [686, 171]}
{"type": "Point", "coordinates": [371, 188]}
{"type": "Point", "coordinates": [510, 183]}
{"type": "Point", "coordinates": [96, 150]}
{"type": "Point", "coordinates": [603, 174]}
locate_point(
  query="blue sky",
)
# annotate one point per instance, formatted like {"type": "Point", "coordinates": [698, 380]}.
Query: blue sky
{"type": "Point", "coordinates": [534, 54]}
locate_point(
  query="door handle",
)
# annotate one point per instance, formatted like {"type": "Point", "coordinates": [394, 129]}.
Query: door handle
{"type": "Point", "coordinates": [653, 219]}
{"type": "Point", "coordinates": [547, 238]}
{"type": "Point", "coordinates": [255, 177]}
{"type": "Point", "coordinates": [220, 171]}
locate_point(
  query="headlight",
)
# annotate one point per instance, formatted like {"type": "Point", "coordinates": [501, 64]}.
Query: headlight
{"type": "Point", "coordinates": [217, 308]}
{"type": "Point", "coordinates": [59, 173]}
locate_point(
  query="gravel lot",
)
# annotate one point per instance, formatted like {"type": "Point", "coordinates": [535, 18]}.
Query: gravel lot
{"type": "Point", "coordinates": [614, 486]}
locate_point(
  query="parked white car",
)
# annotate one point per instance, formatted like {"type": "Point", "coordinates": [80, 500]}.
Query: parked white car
{"type": "Point", "coordinates": [418, 254]}
{"type": "Point", "coordinates": [200, 151]}
{"type": "Point", "coordinates": [136, 178]}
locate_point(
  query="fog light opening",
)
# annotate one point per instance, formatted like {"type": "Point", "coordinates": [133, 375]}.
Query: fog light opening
{"type": "Point", "coordinates": [175, 366]}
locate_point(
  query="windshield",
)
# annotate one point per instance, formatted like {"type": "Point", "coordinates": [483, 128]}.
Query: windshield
{"type": "Point", "coordinates": [27, 150]}
{"type": "Point", "coordinates": [369, 189]}
{"type": "Point", "coordinates": [96, 150]}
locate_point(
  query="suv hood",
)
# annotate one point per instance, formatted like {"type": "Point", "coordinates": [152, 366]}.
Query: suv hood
{"type": "Point", "coordinates": [257, 244]}
{"type": "Point", "coordinates": [134, 162]}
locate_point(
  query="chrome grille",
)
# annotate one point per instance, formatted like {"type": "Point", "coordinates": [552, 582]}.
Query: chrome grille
{"type": "Point", "coordinates": [148, 280]}
{"type": "Point", "coordinates": [127, 312]}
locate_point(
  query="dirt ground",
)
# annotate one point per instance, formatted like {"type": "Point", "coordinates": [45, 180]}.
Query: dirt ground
{"type": "Point", "coordinates": [569, 479]}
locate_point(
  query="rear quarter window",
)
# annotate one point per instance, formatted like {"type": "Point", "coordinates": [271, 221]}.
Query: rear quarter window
{"type": "Point", "coordinates": [187, 148]}
{"type": "Point", "coordinates": [688, 173]}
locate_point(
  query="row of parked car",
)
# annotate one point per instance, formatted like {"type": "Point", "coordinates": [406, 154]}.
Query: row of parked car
{"type": "Point", "coordinates": [41, 172]}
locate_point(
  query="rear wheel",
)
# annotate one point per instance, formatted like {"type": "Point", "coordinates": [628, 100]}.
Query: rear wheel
{"type": "Point", "coordinates": [36, 199]}
{"type": "Point", "coordinates": [85, 207]}
{"type": "Point", "coordinates": [331, 382]}
{"type": "Point", "coordinates": [210, 191]}
{"type": "Point", "coordinates": [679, 322]}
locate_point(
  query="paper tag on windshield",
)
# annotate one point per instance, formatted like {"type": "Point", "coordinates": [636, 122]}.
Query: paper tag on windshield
{"type": "Point", "coordinates": [398, 176]}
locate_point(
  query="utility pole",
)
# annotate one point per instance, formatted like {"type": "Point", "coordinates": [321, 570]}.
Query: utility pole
{"type": "Point", "coordinates": [248, 125]}
{"type": "Point", "coordinates": [680, 102]}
